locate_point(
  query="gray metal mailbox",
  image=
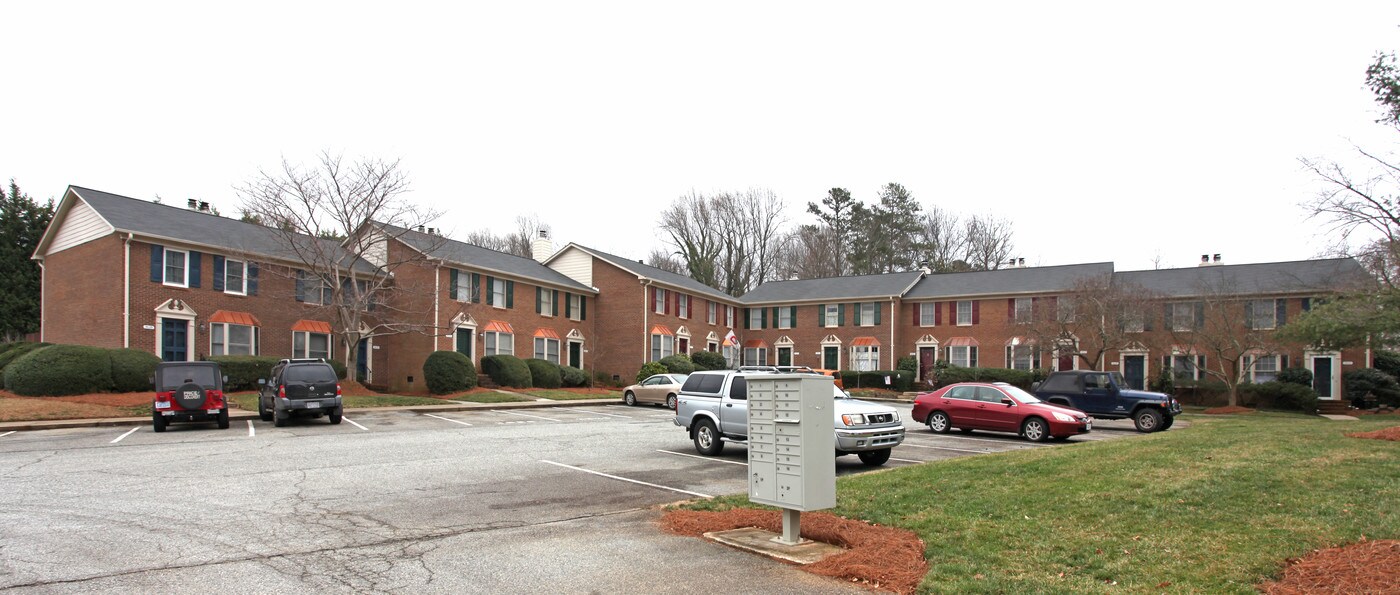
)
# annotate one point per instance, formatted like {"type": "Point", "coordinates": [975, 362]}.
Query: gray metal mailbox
{"type": "Point", "coordinates": [792, 444]}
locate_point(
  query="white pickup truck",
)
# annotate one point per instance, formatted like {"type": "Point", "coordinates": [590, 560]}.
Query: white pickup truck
{"type": "Point", "coordinates": [713, 407]}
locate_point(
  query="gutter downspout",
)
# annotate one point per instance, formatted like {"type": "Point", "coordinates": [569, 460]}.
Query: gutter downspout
{"type": "Point", "coordinates": [437, 290]}
{"type": "Point", "coordinates": [126, 291]}
{"type": "Point", "coordinates": [43, 273]}
{"type": "Point", "coordinates": [893, 316]}
{"type": "Point", "coordinates": [646, 335]}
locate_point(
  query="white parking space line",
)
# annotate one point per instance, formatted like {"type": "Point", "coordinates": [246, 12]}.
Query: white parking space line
{"type": "Point", "coordinates": [951, 437]}
{"type": "Point", "coordinates": [663, 415]}
{"type": "Point", "coordinates": [650, 485]}
{"type": "Point", "coordinates": [980, 452]}
{"type": "Point", "coordinates": [712, 460]}
{"type": "Point", "coordinates": [250, 428]}
{"type": "Point", "coordinates": [7, 433]}
{"type": "Point", "coordinates": [352, 422]}
{"type": "Point", "coordinates": [455, 421]}
{"type": "Point", "coordinates": [128, 433]}
{"type": "Point", "coordinates": [607, 414]}
{"type": "Point", "coordinates": [523, 415]}
{"type": "Point", "coordinates": [907, 460]}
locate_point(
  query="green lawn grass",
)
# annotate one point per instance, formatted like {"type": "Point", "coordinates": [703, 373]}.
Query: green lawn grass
{"type": "Point", "coordinates": [491, 397]}
{"type": "Point", "coordinates": [564, 395]}
{"type": "Point", "coordinates": [1216, 507]}
{"type": "Point", "coordinates": [249, 401]}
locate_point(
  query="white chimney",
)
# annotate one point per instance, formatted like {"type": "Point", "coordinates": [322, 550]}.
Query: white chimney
{"type": "Point", "coordinates": [543, 247]}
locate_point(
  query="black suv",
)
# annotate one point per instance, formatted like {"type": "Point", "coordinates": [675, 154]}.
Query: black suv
{"type": "Point", "coordinates": [188, 391]}
{"type": "Point", "coordinates": [303, 387]}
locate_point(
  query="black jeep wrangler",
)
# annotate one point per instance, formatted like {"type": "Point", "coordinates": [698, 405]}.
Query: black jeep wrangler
{"type": "Point", "coordinates": [300, 387]}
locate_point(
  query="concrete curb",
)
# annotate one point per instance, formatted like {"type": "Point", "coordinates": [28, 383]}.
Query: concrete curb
{"type": "Point", "coordinates": [239, 414]}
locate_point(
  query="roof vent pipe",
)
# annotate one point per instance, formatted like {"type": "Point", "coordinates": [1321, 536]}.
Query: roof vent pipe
{"type": "Point", "coordinates": [203, 207]}
{"type": "Point", "coordinates": [1021, 263]}
{"type": "Point", "coordinates": [1217, 259]}
{"type": "Point", "coordinates": [193, 204]}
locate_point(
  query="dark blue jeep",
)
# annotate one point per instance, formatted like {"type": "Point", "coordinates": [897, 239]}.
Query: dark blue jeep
{"type": "Point", "coordinates": [1102, 395]}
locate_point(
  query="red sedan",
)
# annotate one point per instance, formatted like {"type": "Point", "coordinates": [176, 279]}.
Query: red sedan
{"type": "Point", "coordinates": [998, 407]}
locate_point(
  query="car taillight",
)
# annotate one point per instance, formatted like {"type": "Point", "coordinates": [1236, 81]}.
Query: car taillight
{"type": "Point", "coordinates": [337, 389]}
{"type": "Point", "coordinates": [216, 395]}
{"type": "Point", "coordinates": [281, 391]}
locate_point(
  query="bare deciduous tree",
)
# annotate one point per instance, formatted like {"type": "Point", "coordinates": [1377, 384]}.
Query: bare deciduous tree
{"type": "Point", "coordinates": [729, 241]}
{"type": "Point", "coordinates": [942, 239]}
{"type": "Point", "coordinates": [1097, 314]}
{"type": "Point", "coordinates": [988, 242]}
{"type": "Point", "coordinates": [333, 198]}
{"type": "Point", "coordinates": [808, 252]}
{"type": "Point", "coordinates": [692, 226]}
{"type": "Point", "coordinates": [1221, 330]}
{"type": "Point", "coordinates": [666, 262]}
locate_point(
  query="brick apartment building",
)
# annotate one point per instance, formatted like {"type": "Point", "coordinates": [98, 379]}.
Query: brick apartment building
{"type": "Point", "coordinates": [185, 284]}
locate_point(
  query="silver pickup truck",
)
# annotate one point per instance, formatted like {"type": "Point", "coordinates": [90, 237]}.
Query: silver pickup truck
{"type": "Point", "coordinates": [713, 407]}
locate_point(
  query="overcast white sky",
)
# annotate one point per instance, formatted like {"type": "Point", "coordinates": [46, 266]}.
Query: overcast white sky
{"type": "Point", "coordinates": [1105, 131]}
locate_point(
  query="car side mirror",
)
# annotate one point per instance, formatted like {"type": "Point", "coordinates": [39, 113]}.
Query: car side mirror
{"type": "Point", "coordinates": [1007, 401]}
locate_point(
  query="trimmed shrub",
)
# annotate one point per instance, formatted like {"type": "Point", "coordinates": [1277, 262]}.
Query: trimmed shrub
{"type": "Point", "coordinates": [60, 370]}
{"type": "Point", "coordinates": [907, 362]}
{"type": "Point", "coordinates": [678, 364]}
{"type": "Point", "coordinates": [601, 378]}
{"type": "Point", "coordinates": [1300, 376]}
{"type": "Point", "coordinates": [544, 373]}
{"type": "Point", "coordinates": [900, 380]}
{"type": "Point", "coordinates": [244, 371]}
{"type": "Point", "coordinates": [132, 369]}
{"type": "Point", "coordinates": [1386, 361]}
{"type": "Point", "coordinates": [1206, 393]}
{"type": "Point", "coordinates": [708, 360]}
{"type": "Point", "coordinates": [650, 369]}
{"type": "Point", "coordinates": [507, 370]}
{"type": "Point", "coordinates": [340, 371]}
{"type": "Point", "coordinates": [18, 350]}
{"type": "Point", "coordinates": [1361, 382]}
{"type": "Point", "coordinates": [1279, 395]}
{"type": "Point", "coordinates": [448, 372]}
{"type": "Point", "coordinates": [572, 377]}
{"type": "Point", "coordinates": [1022, 379]}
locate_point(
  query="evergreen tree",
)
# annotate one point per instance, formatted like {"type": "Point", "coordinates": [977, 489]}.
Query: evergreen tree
{"type": "Point", "coordinates": [22, 224]}
{"type": "Point", "coordinates": [887, 233]}
{"type": "Point", "coordinates": [839, 214]}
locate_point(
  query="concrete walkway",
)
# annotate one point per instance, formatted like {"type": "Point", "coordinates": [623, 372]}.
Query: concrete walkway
{"type": "Point", "coordinates": [1340, 417]}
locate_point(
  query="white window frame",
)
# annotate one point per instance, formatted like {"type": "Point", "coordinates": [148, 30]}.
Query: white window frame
{"type": "Point", "coordinates": [731, 356]}
{"type": "Point", "coordinates": [542, 349]}
{"type": "Point", "coordinates": [682, 306]}
{"type": "Point", "coordinates": [242, 288]}
{"type": "Point", "coordinates": [865, 358]}
{"type": "Point", "coordinates": [965, 360]}
{"type": "Point", "coordinates": [659, 295]}
{"type": "Point", "coordinates": [865, 314]}
{"type": "Point", "coordinates": [494, 340]}
{"type": "Point", "coordinates": [1134, 322]}
{"type": "Point", "coordinates": [1025, 310]}
{"type": "Point", "coordinates": [964, 313]}
{"type": "Point", "coordinates": [1269, 306]}
{"type": "Point", "coordinates": [712, 314]}
{"type": "Point", "coordinates": [729, 316]}
{"type": "Point", "coordinates": [305, 351]}
{"type": "Point", "coordinates": [1017, 355]}
{"type": "Point", "coordinates": [784, 317]}
{"type": "Point", "coordinates": [928, 314]}
{"type": "Point", "coordinates": [759, 356]}
{"type": "Point", "coordinates": [662, 346]}
{"type": "Point", "coordinates": [575, 307]}
{"type": "Point", "coordinates": [546, 302]}
{"type": "Point", "coordinates": [831, 315]}
{"type": "Point", "coordinates": [1190, 358]}
{"type": "Point", "coordinates": [184, 268]}
{"type": "Point", "coordinates": [224, 331]}
{"type": "Point", "coordinates": [1183, 323]}
{"type": "Point", "coordinates": [755, 318]}
{"type": "Point", "coordinates": [1252, 364]}
{"type": "Point", "coordinates": [498, 298]}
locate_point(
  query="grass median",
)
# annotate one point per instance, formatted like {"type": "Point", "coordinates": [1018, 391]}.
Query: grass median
{"type": "Point", "coordinates": [1216, 507]}
{"type": "Point", "coordinates": [249, 401]}
{"type": "Point", "coordinates": [569, 394]}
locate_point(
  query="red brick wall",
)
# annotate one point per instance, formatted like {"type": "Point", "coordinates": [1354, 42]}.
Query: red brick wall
{"type": "Point", "coordinates": [619, 316]}
{"type": "Point", "coordinates": [807, 334]}
{"type": "Point", "coordinates": [82, 293]}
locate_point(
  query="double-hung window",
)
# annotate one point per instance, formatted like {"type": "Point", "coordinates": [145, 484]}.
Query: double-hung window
{"type": "Point", "coordinates": [547, 349]}
{"type": "Point", "coordinates": [928, 313]}
{"type": "Point", "coordinates": [658, 297]}
{"type": "Point", "coordinates": [1020, 357]}
{"type": "Point", "coordinates": [499, 343]}
{"type": "Point", "coordinates": [729, 316]}
{"type": "Point", "coordinates": [1064, 310]}
{"type": "Point", "coordinates": [235, 277]}
{"type": "Point", "coordinates": [1262, 315]}
{"type": "Point", "coordinates": [755, 356]}
{"type": "Point", "coordinates": [546, 302]}
{"type": "Point", "coordinates": [711, 317]}
{"type": "Point", "coordinates": [784, 317]}
{"type": "Point", "coordinates": [831, 315]}
{"type": "Point", "coordinates": [865, 314]}
{"type": "Point", "coordinates": [176, 271]}
{"type": "Point", "coordinates": [682, 306]}
{"type": "Point", "coordinates": [1023, 310]}
{"type": "Point", "coordinates": [1264, 368]}
{"type": "Point", "coordinates": [498, 293]}
{"type": "Point", "coordinates": [232, 339]}
{"type": "Point", "coordinates": [965, 313]}
{"type": "Point", "coordinates": [1187, 367]}
{"type": "Point", "coordinates": [312, 345]}
{"type": "Point", "coordinates": [575, 307]}
{"type": "Point", "coordinates": [755, 318]}
{"type": "Point", "coordinates": [865, 357]}
{"type": "Point", "coordinates": [963, 355]}
{"type": "Point", "coordinates": [662, 346]}
{"type": "Point", "coordinates": [1183, 316]}
{"type": "Point", "coordinates": [731, 356]}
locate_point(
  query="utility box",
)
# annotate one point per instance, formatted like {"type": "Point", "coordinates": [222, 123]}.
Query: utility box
{"type": "Point", "coordinates": [792, 441]}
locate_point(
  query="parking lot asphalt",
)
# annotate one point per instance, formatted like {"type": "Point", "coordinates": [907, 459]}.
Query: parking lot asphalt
{"type": "Point", "coordinates": [484, 500]}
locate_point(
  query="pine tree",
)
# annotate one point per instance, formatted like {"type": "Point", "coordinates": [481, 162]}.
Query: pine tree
{"type": "Point", "coordinates": [22, 224]}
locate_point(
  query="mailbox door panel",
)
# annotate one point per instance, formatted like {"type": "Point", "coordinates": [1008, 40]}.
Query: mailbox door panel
{"type": "Point", "coordinates": [763, 485]}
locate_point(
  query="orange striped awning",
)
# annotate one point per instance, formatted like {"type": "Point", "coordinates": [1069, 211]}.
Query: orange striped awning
{"type": "Point", "coordinates": [496, 326]}
{"type": "Point", "coordinates": [312, 326]}
{"type": "Point", "coordinates": [661, 330]}
{"type": "Point", "coordinates": [962, 342]}
{"type": "Point", "coordinates": [228, 317]}
{"type": "Point", "coordinates": [865, 342]}
{"type": "Point", "coordinates": [547, 333]}
{"type": "Point", "coordinates": [755, 343]}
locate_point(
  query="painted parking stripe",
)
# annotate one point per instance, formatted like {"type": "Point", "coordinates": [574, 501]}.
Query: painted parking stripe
{"type": "Point", "coordinates": [907, 460]}
{"type": "Point", "coordinates": [980, 452]}
{"type": "Point", "coordinates": [950, 437]}
{"type": "Point", "coordinates": [650, 485]}
{"type": "Point", "coordinates": [128, 433]}
{"type": "Point", "coordinates": [524, 415]}
{"type": "Point", "coordinates": [607, 414]}
{"type": "Point", "coordinates": [250, 428]}
{"type": "Point", "coordinates": [712, 460]}
{"type": "Point", "coordinates": [455, 421]}
{"type": "Point", "coordinates": [7, 433]}
{"type": "Point", "coordinates": [352, 422]}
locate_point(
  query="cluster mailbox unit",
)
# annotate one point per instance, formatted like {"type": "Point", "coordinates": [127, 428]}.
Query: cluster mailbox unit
{"type": "Point", "coordinates": [792, 445]}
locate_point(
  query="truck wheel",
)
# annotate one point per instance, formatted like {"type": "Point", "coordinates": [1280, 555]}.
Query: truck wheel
{"type": "Point", "coordinates": [1148, 420]}
{"type": "Point", "coordinates": [707, 440]}
{"type": "Point", "coordinates": [263, 414]}
{"type": "Point", "coordinates": [223, 418]}
{"type": "Point", "coordinates": [629, 398]}
{"type": "Point", "coordinates": [280, 419]}
{"type": "Point", "coordinates": [939, 423]}
{"type": "Point", "coordinates": [157, 422]}
{"type": "Point", "coordinates": [336, 415]}
{"type": "Point", "coordinates": [874, 458]}
{"type": "Point", "coordinates": [1167, 421]}
{"type": "Point", "coordinates": [1035, 430]}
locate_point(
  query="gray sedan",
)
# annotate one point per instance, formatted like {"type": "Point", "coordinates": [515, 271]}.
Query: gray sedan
{"type": "Point", "coordinates": [660, 389]}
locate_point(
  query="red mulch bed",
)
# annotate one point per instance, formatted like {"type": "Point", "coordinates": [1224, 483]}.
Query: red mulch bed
{"type": "Point", "coordinates": [1227, 410]}
{"type": "Point", "coordinates": [877, 557]}
{"type": "Point", "coordinates": [1392, 434]}
{"type": "Point", "coordinates": [1365, 567]}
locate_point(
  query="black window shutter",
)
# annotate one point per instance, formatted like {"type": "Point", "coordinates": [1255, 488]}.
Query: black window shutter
{"type": "Point", "coordinates": [1200, 315]}
{"type": "Point", "coordinates": [157, 263]}
{"type": "Point", "coordinates": [539, 299]}
{"type": "Point", "coordinates": [763, 318]}
{"type": "Point", "coordinates": [490, 291]}
{"type": "Point", "coordinates": [792, 316]}
{"type": "Point", "coordinates": [1249, 314]}
{"type": "Point", "coordinates": [821, 315]}
{"type": "Point", "coordinates": [219, 273]}
{"type": "Point", "coordinates": [569, 305]}
{"type": "Point", "coordinates": [583, 307]}
{"type": "Point", "coordinates": [877, 313]}
{"type": "Point", "coordinates": [252, 273]}
{"type": "Point", "coordinates": [555, 302]}
{"type": "Point", "coordinates": [1280, 312]}
{"type": "Point", "coordinates": [194, 268]}
{"type": "Point", "coordinates": [1283, 361]}
{"type": "Point", "coordinates": [476, 288]}
{"type": "Point", "coordinates": [1167, 362]}
{"type": "Point", "coordinates": [972, 353]}
{"type": "Point", "coordinates": [746, 319]}
{"type": "Point", "coordinates": [452, 287]}
{"type": "Point", "coordinates": [510, 294]}
{"type": "Point", "coordinates": [1307, 304]}
{"type": "Point", "coordinates": [1167, 318]}
{"type": "Point", "coordinates": [301, 285]}
{"type": "Point", "coordinates": [840, 314]}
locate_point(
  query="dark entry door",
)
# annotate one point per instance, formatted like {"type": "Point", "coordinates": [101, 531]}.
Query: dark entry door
{"type": "Point", "coordinates": [683, 346]}
{"type": "Point", "coordinates": [1322, 377]}
{"type": "Point", "coordinates": [362, 361]}
{"type": "Point", "coordinates": [464, 341]}
{"type": "Point", "coordinates": [174, 338]}
{"type": "Point", "coordinates": [830, 355]}
{"type": "Point", "coordinates": [1135, 371]}
{"type": "Point", "coordinates": [576, 355]}
{"type": "Point", "coordinates": [1067, 362]}
{"type": "Point", "coordinates": [784, 356]}
{"type": "Point", "coordinates": [926, 355]}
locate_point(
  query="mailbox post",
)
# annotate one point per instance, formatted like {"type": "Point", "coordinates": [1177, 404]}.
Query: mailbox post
{"type": "Point", "coordinates": [792, 446]}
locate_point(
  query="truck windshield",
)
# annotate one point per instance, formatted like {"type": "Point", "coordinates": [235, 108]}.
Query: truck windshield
{"type": "Point", "coordinates": [838, 393]}
{"type": "Point", "coordinates": [1117, 379]}
{"type": "Point", "coordinates": [173, 376]}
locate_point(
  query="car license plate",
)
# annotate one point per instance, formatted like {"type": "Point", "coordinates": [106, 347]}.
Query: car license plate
{"type": "Point", "coordinates": [162, 404]}
{"type": "Point", "coordinates": [1089, 425]}
{"type": "Point", "coordinates": [313, 404]}
{"type": "Point", "coordinates": [212, 411]}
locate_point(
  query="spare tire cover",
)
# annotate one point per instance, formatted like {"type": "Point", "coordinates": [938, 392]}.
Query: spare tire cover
{"type": "Point", "coordinates": [190, 396]}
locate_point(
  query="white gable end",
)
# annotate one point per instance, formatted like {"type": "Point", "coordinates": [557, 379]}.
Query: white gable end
{"type": "Point", "coordinates": [81, 224]}
{"type": "Point", "coordinates": [574, 264]}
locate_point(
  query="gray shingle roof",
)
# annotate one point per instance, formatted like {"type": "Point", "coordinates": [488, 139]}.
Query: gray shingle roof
{"type": "Point", "coordinates": [667, 277]}
{"type": "Point", "coordinates": [1006, 281]}
{"type": "Point", "coordinates": [451, 250]}
{"type": "Point", "coordinates": [1324, 275]}
{"type": "Point", "coordinates": [176, 223]}
{"type": "Point", "coordinates": [832, 288]}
